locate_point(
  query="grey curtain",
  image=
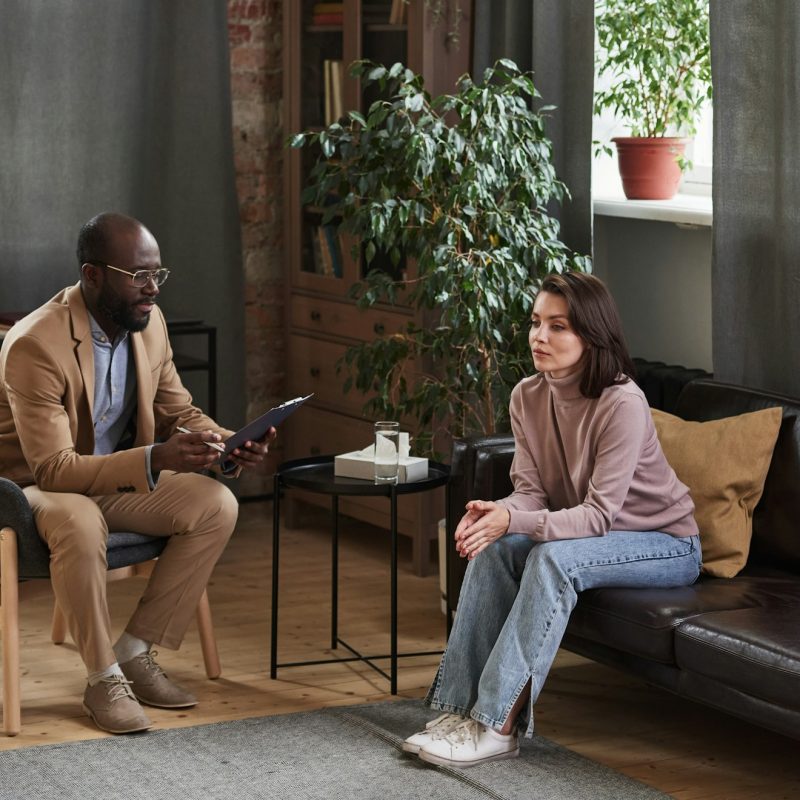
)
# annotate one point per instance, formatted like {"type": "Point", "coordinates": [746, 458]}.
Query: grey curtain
{"type": "Point", "coordinates": [755, 59]}
{"type": "Point", "coordinates": [555, 39]}
{"type": "Point", "coordinates": [122, 105]}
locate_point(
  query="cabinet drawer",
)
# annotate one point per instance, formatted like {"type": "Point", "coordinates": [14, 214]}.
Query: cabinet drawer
{"type": "Point", "coordinates": [312, 368]}
{"type": "Point", "coordinates": [315, 432]}
{"type": "Point", "coordinates": [344, 319]}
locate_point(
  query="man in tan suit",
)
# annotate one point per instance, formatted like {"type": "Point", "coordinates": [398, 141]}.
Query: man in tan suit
{"type": "Point", "coordinates": [90, 407]}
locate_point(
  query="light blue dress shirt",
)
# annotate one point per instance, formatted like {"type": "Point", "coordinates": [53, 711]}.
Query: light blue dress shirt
{"type": "Point", "coordinates": [114, 392]}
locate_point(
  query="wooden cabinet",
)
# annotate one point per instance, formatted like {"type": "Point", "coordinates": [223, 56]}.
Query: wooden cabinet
{"type": "Point", "coordinates": [322, 320]}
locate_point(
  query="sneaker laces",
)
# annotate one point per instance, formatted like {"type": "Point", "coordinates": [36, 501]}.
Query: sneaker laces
{"type": "Point", "coordinates": [445, 724]}
{"type": "Point", "coordinates": [468, 730]}
{"type": "Point", "coordinates": [118, 687]}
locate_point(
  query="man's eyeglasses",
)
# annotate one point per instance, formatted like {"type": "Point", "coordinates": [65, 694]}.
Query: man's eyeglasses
{"type": "Point", "coordinates": [141, 277]}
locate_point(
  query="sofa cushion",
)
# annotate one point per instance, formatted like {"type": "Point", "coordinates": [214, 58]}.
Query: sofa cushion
{"type": "Point", "coordinates": [754, 650]}
{"type": "Point", "coordinates": [724, 463]}
{"type": "Point", "coordinates": [642, 622]}
{"type": "Point", "coordinates": [775, 535]}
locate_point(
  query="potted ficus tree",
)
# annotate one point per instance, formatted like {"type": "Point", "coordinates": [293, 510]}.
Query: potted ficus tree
{"type": "Point", "coordinates": [655, 55]}
{"type": "Point", "coordinates": [459, 187]}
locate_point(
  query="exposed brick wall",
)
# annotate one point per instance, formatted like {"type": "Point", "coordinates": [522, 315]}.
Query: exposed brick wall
{"type": "Point", "coordinates": [254, 30]}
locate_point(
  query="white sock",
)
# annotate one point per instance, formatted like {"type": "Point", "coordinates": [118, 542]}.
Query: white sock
{"type": "Point", "coordinates": [128, 647]}
{"type": "Point", "coordinates": [96, 677]}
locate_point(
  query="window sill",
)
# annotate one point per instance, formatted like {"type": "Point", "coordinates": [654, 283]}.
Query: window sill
{"type": "Point", "coordinates": [683, 209]}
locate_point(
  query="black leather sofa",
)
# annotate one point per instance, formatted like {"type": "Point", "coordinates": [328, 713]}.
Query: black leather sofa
{"type": "Point", "coordinates": [732, 643]}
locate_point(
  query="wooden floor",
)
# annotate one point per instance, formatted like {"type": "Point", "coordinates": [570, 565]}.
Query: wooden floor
{"type": "Point", "coordinates": [679, 747]}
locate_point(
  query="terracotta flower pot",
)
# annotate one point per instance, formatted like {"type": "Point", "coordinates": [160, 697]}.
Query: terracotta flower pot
{"type": "Point", "coordinates": [648, 166]}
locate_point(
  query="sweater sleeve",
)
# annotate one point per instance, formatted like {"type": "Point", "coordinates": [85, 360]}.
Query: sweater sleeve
{"type": "Point", "coordinates": [617, 454]}
{"type": "Point", "coordinates": [528, 495]}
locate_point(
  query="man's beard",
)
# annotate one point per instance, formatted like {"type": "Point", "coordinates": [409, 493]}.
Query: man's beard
{"type": "Point", "coordinates": [115, 308]}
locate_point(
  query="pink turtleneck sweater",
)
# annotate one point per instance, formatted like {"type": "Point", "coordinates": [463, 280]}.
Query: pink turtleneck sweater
{"type": "Point", "coordinates": [583, 467]}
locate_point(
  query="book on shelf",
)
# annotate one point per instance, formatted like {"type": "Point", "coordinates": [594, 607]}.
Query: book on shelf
{"type": "Point", "coordinates": [327, 14]}
{"type": "Point", "coordinates": [337, 73]}
{"type": "Point", "coordinates": [327, 251]}
{"type": "Point", "coordinates": [327, 19]}
{"type": "Point", "coordinates": [327, 258]}
{"type": "Point", "coordinates": [333, 75]}
{"type": "Point", "coordinates": [335, 249]}
{"type": "Point", "coordinates": [316, 252]}
{"type": "Point", "coordinates": [328, 94]}
{"type": "Point", "coordinates": [397, 15]}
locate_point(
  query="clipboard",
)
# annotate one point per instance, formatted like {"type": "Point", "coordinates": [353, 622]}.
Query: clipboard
{"type": "Point", "coordinates": [258, 427]}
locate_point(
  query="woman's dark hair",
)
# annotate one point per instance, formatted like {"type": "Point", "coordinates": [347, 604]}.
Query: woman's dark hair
{"type": "Point", "coordinates": [594, 317]}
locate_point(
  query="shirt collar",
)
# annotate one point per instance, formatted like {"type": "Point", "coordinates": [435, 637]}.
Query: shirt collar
{"type": "Point", "coordinates": [99, 335]}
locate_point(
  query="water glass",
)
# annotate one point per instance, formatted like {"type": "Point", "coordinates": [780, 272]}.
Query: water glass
{"type": "Point", "coordinates": [387, 439]}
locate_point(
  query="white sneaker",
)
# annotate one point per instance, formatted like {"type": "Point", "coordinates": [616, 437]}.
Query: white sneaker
{"type": "Point", "coordinates": [468, 744]}
{"type": "Point", "coordinates": [435, 729]}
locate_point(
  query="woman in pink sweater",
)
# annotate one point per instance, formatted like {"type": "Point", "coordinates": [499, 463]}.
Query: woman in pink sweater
{"type": "Point", "coordinates": [595, 504]}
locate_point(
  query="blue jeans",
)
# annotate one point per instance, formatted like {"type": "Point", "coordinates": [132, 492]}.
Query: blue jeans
{"type": "Point", "coordinates": [515, 603]}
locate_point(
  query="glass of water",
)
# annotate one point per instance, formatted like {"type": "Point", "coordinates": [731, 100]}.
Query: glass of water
{"type": "Point", "coordinates": [387, 439]}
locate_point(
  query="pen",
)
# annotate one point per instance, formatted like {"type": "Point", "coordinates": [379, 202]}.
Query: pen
{"type": "Point", "coordinates": [216, 446]}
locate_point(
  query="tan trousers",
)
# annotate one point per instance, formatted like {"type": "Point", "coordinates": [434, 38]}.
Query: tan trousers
{"type": "Point", "coordinates": [196, 512]}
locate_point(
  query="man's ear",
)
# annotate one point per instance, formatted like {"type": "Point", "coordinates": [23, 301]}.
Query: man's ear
{"type": "Point", "coordinates": [90, 274]}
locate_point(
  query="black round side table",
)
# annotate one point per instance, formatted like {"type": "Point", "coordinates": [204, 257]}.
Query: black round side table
{"type": "Point", "coordinates": [316, 475]}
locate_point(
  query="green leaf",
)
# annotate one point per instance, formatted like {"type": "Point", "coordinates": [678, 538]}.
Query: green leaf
{"type": "Point", "coordinates": [358, 117]}
{"type": "Point", "coordinates": [415, 102]}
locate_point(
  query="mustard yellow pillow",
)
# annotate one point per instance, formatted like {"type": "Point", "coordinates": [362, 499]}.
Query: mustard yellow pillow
{"type": "Point", "coordinates": [724, 463]}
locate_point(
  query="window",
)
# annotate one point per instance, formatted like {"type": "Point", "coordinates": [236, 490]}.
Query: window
{"type": "Point", "coordinates": [605, 175]}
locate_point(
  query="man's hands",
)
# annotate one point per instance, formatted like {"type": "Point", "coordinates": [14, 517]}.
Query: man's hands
{"type": "Point", "coordinates": [188, 452]}
{"type": "Point", "coordinates": [252, 453]}
{"type": "Point", "coordinates": [185, 452]}
{"type": "Point", "coordinates": [484, 523]}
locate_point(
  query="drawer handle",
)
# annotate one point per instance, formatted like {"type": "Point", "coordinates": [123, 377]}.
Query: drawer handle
{"type": "Point", "coordinates": [314, 372]}
{"type": "Point", "coordinates": [316, 316]}
{"type": "Point", "coordinates": [379, 328]}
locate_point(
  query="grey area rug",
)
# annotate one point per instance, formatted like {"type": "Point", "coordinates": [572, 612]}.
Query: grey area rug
{"type": "Point", "coordinates": [351, 752]}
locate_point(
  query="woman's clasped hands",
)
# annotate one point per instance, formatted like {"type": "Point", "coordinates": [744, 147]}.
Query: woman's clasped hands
{"type": "Point", "coordinates": [484, 523]}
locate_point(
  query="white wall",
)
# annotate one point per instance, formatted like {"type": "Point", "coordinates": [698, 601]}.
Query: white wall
{"type": "Point", "coordinates": [660, 276]}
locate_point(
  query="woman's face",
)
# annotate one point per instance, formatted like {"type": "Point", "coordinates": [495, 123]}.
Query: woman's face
{"type": "Point", "coordinates": [556, 347]}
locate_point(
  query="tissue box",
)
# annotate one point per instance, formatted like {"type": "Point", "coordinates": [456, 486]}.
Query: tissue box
{"type": "Point", "coordinates": [355, 465]}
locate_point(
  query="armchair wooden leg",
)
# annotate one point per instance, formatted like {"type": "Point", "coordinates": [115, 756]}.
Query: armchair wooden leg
{"type": "Point", "coordinates": [9, 609]}
{"type": "Point", "coordinates": [208, 642]}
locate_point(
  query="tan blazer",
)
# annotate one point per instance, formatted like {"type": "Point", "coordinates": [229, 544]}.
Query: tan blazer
{"type": "Point", "coordinates": [46, 397]}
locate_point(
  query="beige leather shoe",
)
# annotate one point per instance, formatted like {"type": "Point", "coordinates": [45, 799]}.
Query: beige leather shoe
{"type": "Point", "coordinates": [112, 706]}
{"type": "Point", "coordinates": [151, 685]}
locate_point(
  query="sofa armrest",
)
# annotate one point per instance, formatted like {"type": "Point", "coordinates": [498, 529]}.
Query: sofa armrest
{"type": "Point", "coordinates": [468, 481]}
{"type": "Point", "coordinates": [16, 513]}
{"type": "Point", "coordinates": [479, 470]}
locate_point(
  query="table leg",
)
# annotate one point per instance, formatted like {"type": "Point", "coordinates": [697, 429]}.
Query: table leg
{"type": "Point", "coordinates": [335, 573]}
{"type": "Point", "coordinates": [393, 671]}
{"type": "Point", "coordinates": [276, 521]}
